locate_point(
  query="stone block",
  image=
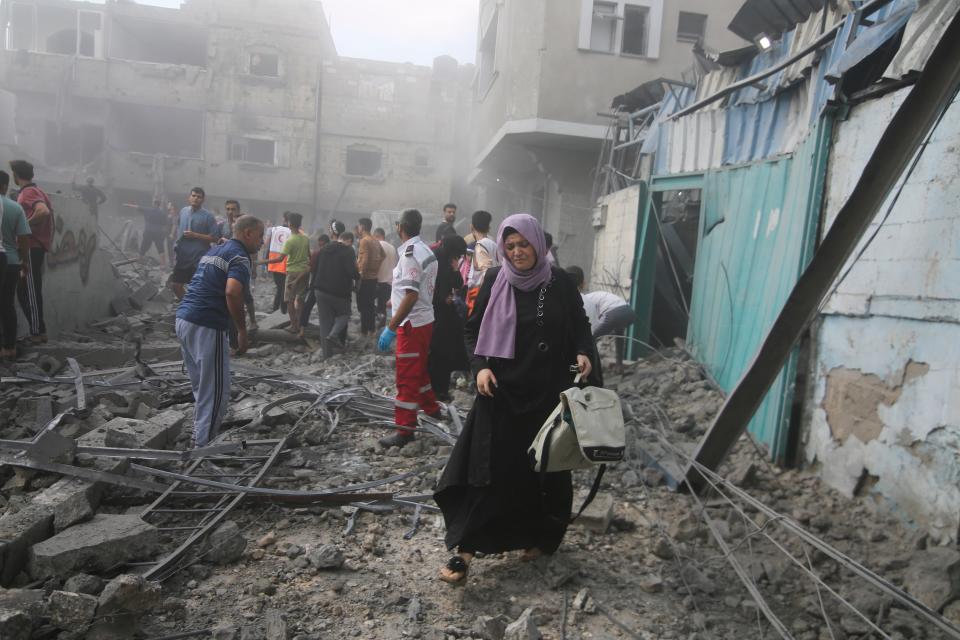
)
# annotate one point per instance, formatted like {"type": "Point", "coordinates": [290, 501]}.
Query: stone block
{"type": "Point", "coordinates": [71, 501]}
{"type": "Point", "coordinates": [71, 611]}
{"type": "Point", "coordinates": [226, 544]}
{"type": "Point", "coordinates": [15, 625]}
{"type": "Point", "coordinates": [155, 433]}
{"type": "Point", "coordinates": [128, 593]}
{"type": "Point", "coordinates": [18, 532]}
{"type": "Point", "coordinates": [97, 545]}
{"type": "Point", "coordinates": [84, 583]}
{"type": "Point", "coordinates": [523, 628]}
{"type": "Point", "coordinates": [30, 601]}
{"type": "Point", "coordinates": [597, 516]}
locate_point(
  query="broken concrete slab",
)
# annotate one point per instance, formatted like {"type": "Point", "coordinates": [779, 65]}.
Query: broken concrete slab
{"type": "Point", "coordinates": [18, 532]}
{"type": "Point", "coordinates": [933, 576]}
{"type": "Point", "coordinates": [71, 501]}
{"type": "Point", "coordinates": [30, 601]}
{"type": "Point", "coordinates": [120, 605]}
{"type": "Point", "coordinates": [523, 628]}
{"type": "Point", "coordinates": [97, 545]}
{"type": "Point", "coordinates": [128, 593]}
{"type": "Point", "coordinates": [15, 625]}
{"type": "Point", "coordinates": [71, 611]}
{"type": "Point", "coordinates": [275, 627]}
{"type": "Point", "coordinates": [226, 544]}
{"type": "Point", "coordinates": [84, 583]}
{"type": "Point", "coordinates": [154, 433]}
{"type": "Point", "coordinates": [598, 514]}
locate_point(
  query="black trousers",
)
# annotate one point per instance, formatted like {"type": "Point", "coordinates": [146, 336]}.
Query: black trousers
{"type": "Point", "coordinates": [308, 304]}
{"type": "Point", "coordinates": [9, 276]}
{"type": "Point", "coordinates": [30, 293]}
{"type": "Point", "coordinates": [279, 279]}
{"type": "Point", "coordinates": [154, 238]}
{"type": "Point", "coordinates": [383, 296]}
{"type": "Point", "coordinates": [367, 306]}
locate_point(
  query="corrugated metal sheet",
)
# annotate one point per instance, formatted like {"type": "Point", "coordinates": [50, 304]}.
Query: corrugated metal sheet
{"type": "Point", "coordinates": [747, 265]}
{"type": "Point", "coordinates": [923, 32]}
{"type": "Point", "coordinates": [769, 119]}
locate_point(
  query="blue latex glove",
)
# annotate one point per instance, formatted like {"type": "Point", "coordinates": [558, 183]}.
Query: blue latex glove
{"type": "Point", "coordinates": [386, 339]}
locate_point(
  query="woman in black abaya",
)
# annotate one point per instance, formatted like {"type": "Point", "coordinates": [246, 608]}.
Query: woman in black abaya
{"type": "Point", "coordinates": [447, 352]}
{"type": "Point", "coordinates": [527, 330]}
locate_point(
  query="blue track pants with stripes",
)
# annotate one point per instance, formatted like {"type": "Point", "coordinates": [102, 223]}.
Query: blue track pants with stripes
{"type": "Point", "coordinates": [206, 356]}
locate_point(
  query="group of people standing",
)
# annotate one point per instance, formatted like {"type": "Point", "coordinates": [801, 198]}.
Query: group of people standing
{"type": "Point", "coordinates": [498, 307]}
{"type": "Point", "coordinates": [26, 230]}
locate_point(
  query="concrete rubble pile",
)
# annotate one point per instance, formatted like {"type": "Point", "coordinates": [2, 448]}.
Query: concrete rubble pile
{"type": "Point", "coordinates": [81, 558]}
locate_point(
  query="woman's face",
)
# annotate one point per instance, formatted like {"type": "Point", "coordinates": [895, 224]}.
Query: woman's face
{"type": "Point", "coordinates": [520, 252]}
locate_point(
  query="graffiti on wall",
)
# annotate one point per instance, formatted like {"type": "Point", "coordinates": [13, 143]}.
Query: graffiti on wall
{"type": "Point", "coordinates": [73, 246]}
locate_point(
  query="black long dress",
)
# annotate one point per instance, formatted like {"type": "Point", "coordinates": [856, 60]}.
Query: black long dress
{"type": "Point", "coordinates": [447, 351]}
{"type": "Point", "coordinates": [489, 494]}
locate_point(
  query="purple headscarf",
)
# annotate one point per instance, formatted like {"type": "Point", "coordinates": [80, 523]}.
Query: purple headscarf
{"type": "Point", "coordinates": [498, 329]}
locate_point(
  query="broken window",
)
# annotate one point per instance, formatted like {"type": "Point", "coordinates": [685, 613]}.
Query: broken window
{"type": "Point", "coordinates": [364, 161]}
{"type": "Point", "coordinates": [258, 150]}
{"type": "Point", "coordinates": [487, 54]}
{"type": "Point", "coordinates": [603, 30]}
{"type": "Point", "coordinates": [635, 29]}
{"type": "Point", "coordinates": [265, 64]}
{"type": "Point", "coordinates": [691, 27]}
{"type": "Point", "coordinates": [157, 130]}
{"type": "Point", "coordinates": [21, 27]}
{"type": "Point", "coordinates": [157, 41]}
{"type": "Point", "coordinates": [68, 144]}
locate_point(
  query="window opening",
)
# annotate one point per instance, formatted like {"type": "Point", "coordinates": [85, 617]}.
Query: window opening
{"type": "Point", "coordinates": [364, 162]}
{"type": "Point", "coordinates": [603, 31]}
{"type": "Point", "coordinates": [691, 27]}
{"type": "Point", "coordinates": [635, 30]}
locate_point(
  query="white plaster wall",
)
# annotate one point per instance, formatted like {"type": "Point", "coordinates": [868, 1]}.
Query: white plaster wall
{"type": "Point", "coordinates": [900, 304]}
{"type": "Point", "coordinates": [614, 244]}
{"type": "Point", "coordinates": [78, 281]}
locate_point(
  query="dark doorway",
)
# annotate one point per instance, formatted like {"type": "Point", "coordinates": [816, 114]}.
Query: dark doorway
{"type": "Point", "coordinates": [677, 215]}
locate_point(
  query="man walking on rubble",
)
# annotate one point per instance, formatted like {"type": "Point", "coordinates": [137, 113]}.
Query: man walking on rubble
{"type": "Point", "coordinates": [215, 297]}
{"type": "Point", "coordinates": [197, 229]}
{"type": "Point", "coordinates": [296, 255]}
{"type": "Point", "coordinates": [370, 256]}
{"type": "Point", "coordinates": [36, 205]}
{"type": "Point", "coordinates": [334, 273]}
{"type": "Point", "coordinates": [414, 280]}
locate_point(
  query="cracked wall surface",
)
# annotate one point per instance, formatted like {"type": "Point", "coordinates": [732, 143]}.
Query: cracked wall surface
{"type": "Point", "coordinates": [883, 411]}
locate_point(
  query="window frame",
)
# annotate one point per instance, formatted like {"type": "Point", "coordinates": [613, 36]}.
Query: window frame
{"type": "Point", "coordinates": [363, 148]}
{"type": "Point", "coordinates": [245, 139]}
{"type": "Point", "coordinates": [654, 27]}
{"type": "Point", "coordinates": [689, 36]}
{"type": "Point", "coordinates": [486, 75]}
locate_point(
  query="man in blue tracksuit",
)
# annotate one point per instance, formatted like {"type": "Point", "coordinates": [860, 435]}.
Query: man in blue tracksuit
{"type": "Point", "coordinates": [214, 298]}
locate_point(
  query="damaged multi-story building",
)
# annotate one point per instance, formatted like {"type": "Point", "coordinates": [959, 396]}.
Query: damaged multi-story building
{"type": "Point", "coordinates": [248, 99]}
{"type": "Point", "coordinates": [547, 70]}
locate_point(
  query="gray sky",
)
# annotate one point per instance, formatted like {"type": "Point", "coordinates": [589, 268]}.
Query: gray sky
{"type": "Point", "coordinates": [404, 30]}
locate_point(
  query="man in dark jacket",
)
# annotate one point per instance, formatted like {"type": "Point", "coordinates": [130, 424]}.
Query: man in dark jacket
{"type": "Point", "coordinates": [334, 275]}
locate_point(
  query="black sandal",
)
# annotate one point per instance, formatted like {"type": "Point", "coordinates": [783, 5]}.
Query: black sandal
{"type": "Point", "coordinates": [456, 564]}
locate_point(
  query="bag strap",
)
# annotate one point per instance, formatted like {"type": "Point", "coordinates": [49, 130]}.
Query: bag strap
{"type": "Point", "coordinates": [593, 492]}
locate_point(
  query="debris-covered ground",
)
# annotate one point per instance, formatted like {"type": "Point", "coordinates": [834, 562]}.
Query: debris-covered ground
{"type": "Point", "coordinates": [643, 562]}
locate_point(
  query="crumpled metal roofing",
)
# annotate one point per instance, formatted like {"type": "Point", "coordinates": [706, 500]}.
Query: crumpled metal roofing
{"type": "Point", "coordinates": [774, 116]}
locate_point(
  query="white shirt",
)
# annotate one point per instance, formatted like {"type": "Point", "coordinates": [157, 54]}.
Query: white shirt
{"type": "Point", "coordinates": [416, 270]}
{"type": "Point", "coordinates": [385, 274]}
{"type": "Point", "coordinates": [598, 304]}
